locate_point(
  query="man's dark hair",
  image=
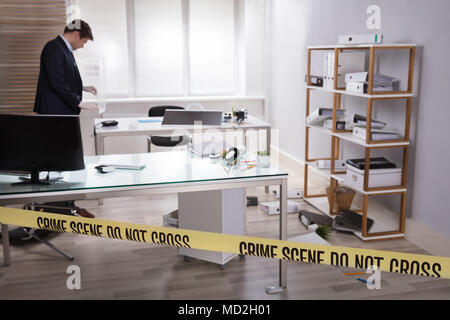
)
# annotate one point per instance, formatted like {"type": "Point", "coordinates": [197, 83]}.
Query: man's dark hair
{"type": "Point", "coordinates": [82, 27]}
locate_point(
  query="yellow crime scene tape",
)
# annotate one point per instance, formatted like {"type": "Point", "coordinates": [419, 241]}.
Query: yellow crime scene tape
{"type": "Point", "coordinates": [404, 263]}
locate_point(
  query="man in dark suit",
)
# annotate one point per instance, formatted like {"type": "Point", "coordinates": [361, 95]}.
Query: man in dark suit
{"type": "Point", "coordinates": [60, 88]}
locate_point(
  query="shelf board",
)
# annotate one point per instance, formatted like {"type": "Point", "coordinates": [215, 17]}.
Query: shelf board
{"type": "Point", "coordinates": [351, 138]}
{"type": "Point", "coordinates": [362, 95]}
{"type": "Point", "coordinates": [367, 45]}
{"type": "Point", "coordinates": [321, 204]}
{"type": "Point", "coordinates": [340, 178]}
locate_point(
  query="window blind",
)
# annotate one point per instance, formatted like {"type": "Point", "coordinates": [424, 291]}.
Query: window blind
{"type": "Point", "coordinates": [25, 27]}
{"type": "Point", "coordinates": [176, 47]}
{"type": "Point", "coordinates": [159, 47]}
{"type": "Point", "coordinates": [108, 21]}
{"type": "Point", "coordinates": [212, 65]}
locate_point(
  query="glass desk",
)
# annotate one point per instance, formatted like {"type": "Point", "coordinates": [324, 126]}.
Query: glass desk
{"type": "Point", "coordinates": [164, 172]}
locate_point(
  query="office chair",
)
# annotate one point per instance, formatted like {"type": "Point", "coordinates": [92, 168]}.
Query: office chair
{"type": "Point", "coordinates": [26, 233]}
{"type": "Point", "coordinates": [158, 111]}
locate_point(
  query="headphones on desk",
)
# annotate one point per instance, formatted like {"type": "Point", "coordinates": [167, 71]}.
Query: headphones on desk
{"type": "Point", "coordinates": [234, 153]}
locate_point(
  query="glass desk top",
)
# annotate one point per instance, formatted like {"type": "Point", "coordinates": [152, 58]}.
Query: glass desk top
{"type": "Point", "coordinates": [160, 168]}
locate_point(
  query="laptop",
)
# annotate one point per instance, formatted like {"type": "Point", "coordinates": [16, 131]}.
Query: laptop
{"type": "Point", "coordinates": [188, 117]}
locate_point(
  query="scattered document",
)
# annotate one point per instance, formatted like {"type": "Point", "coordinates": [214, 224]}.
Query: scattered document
{"type": "Point", "coordinates": [350, 221]}
{"type": "Point", "coordinates": [321, 114]}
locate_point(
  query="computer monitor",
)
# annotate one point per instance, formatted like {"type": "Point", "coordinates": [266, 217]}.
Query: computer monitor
{"type": "Point", "coordinates": [189, 117]}
{"type": "Point", "coordinates": [35, 143]}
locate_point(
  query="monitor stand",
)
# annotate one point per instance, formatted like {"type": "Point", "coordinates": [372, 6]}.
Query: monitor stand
{"type": "Point", "coordinates": [34, 179]}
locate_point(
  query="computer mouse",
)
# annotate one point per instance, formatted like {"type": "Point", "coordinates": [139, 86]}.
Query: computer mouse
{"type": "Point", "coordinates": [104, 169]}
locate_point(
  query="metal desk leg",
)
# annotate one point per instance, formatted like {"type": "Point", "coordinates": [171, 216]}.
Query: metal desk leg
{"type": "Point", "coordinates": [283, 236]}
{"type": "Point", "coordinates": [99, 144]}
{"type": "Point", "coordinates": [99, 150]}
{"type": "Point", "coordinates": [268, 142]}
{"type": "Point", "coordinates": [6, 248]}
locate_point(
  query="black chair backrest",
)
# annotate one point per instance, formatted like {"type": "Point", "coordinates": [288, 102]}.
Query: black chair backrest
{"type": "Point", "coordinates": [159, 111]}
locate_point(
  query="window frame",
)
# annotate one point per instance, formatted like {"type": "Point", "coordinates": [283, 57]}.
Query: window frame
{"type": "Point", "coordinates": [186, 92]}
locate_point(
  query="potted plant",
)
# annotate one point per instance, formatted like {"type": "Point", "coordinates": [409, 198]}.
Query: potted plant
{"type": "Point", "coordinates": [263, 159]}
{"type": "Point", "coordinates": [324, 231]}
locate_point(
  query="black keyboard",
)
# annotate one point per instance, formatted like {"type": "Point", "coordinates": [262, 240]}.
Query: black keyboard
{"type": "Point", "coordinates": [374, 163]}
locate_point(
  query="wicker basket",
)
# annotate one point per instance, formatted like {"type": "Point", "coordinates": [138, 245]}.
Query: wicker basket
{"type": "Point", "coordinates": [343, 198]}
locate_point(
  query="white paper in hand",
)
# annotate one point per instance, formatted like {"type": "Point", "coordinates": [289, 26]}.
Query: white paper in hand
{"type": "Point", "coordinates": [101, 106]}
{"type": "Point", "coordinates": [101, 103]}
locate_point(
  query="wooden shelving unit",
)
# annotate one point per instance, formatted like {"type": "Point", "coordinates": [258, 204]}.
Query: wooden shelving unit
{"type": "Point", "coordinates": [320, 201]}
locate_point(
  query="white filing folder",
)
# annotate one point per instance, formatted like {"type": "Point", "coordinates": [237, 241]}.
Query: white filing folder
{"type": "Point", "coordinates": [273, 207]}
{"type": "Point", "coordinates": [292, 193]}
{"type": "Point", "coordinates": [356, 77]}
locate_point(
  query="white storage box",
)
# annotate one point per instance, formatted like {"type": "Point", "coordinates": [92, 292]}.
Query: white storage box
{"type": "Point", "coordinates": [377, 177]}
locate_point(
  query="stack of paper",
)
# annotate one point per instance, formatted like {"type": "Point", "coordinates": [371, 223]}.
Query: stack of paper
{"type": "Point", "coordinates": [311, 237]}
{"type": "Point", "coordinates": [382, 82]}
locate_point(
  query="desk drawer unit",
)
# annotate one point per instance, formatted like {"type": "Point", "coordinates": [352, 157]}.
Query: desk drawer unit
{"type": "Point", "coordinates": [220, 211]}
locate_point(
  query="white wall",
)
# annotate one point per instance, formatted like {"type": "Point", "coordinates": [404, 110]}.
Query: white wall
{"type": "Point", "coordinates": [293, 24]}
{"type": "Point", "coordinates": [254, 47]}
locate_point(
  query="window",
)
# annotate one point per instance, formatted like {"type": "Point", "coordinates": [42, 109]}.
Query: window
{"type": "Point", "coordinates": [158, 47]}
{"type": "Point", "coordinates": [108, 21]}
{"type": "Point", "coordinates": [161, 47]}
{"type": "Point", "coordinates": [211, 46]}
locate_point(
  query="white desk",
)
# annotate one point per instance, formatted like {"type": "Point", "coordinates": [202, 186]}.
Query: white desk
{"type": "Point", "coordinates": [132, 127]}
{"type": "Point", "coordinates": [165, 172]}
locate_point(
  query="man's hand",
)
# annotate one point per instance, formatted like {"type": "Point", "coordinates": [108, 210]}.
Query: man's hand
{"type": "Point", "coordinates": [88, 106]}
{"type": "Point", "coordinates": [90, 89]}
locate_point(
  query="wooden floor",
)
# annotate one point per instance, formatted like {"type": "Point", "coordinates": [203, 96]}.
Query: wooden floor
{"type": "Point", "coordinates": [116, 269]}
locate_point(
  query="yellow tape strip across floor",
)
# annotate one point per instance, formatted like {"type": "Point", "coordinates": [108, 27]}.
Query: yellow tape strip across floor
{"type": "Point", "coordinates": [413, 264]}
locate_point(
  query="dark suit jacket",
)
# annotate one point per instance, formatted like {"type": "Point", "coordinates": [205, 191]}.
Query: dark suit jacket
{"type": "Point", "coordinates": [60, 88]}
